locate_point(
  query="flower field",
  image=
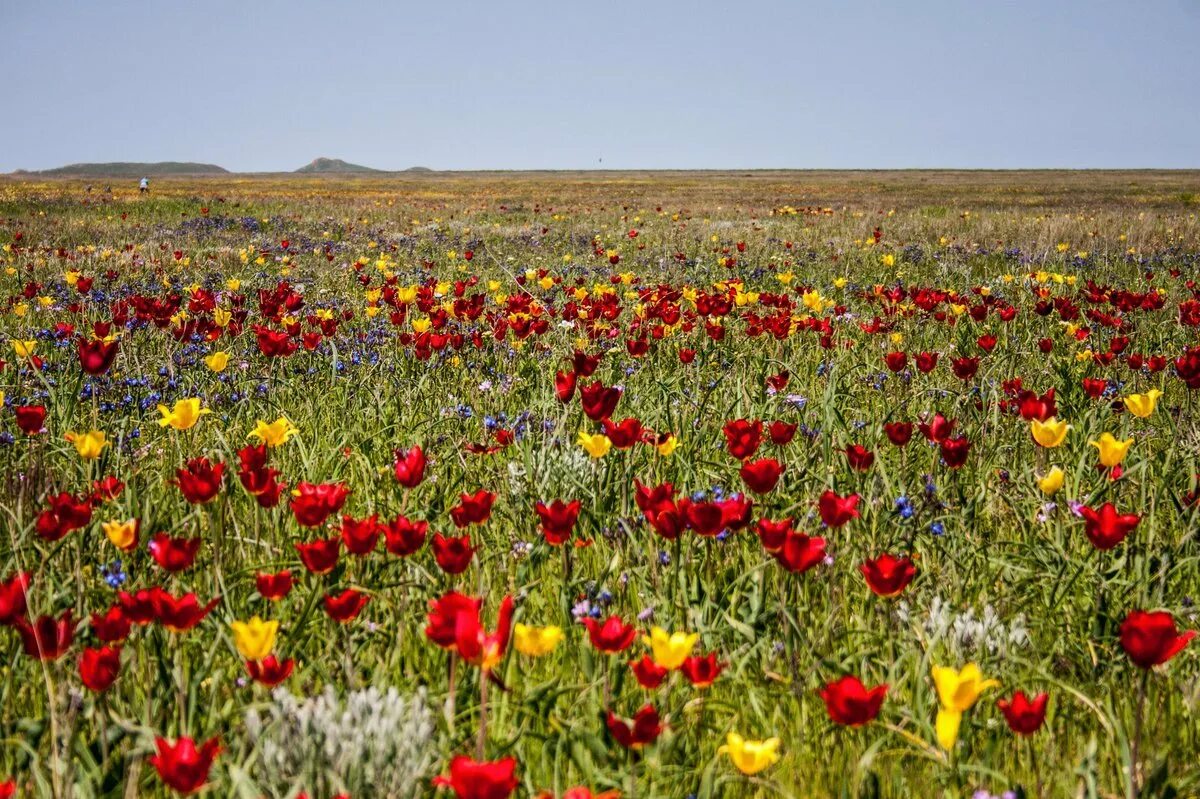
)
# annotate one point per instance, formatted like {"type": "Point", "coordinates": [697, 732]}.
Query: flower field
{"type": "Point", "coordinates": [569, 486]}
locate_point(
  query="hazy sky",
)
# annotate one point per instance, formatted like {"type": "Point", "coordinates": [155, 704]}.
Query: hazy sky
{"type": "Point", "coordinates": [464, 84]}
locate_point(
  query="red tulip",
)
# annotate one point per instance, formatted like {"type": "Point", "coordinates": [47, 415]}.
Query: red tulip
{"type": "Point", "coordinates": [661, 497]}
{"type": "Point", "coordinates": [837, 510]}
{"type": "Point", "coordinates": [442, 627]}
{"type": "Point", "coordinates": [410, 467]}
{"type": "Point", "coordinates": [937, 429]}
{"type": "Point", "coordinates": [182, 614]}
{"type": "Point", "coordinates": [314, 503]}
{"type": "Point", "coordinates": [112, 626]}
{"type": "Point", "coordinates": [181, 766]}
{"type": "Point", "coordinates": [597, 401]}
{"type": "Point", "coordinates": [274, 343]}
{"type": "Point", "coordinates": [139, 607]}
{"type": "Point", "coordinates": [899, 433]}
{"type": "Point", "coordinates": [649, 674]}
{"type": "Point", "coordinates": [320, 556]}
{"type": "Point", "coordinates": [360, 535]}
{"type": "Point", "coordinates": [269, 671]}
{"type": "Point", "coordinates": [583, 364]}
{"type": "Point", "coordinates": [106, 490]}
{"type": "Point", "coordinates": [1031, 406]}
{"type": "Point", "coordinates": [859, 457]}
{"type": "Point", "coordinates": [926, 362]}
{"type": "Point", "coordinates": [799, 552]}
{"type": "Point", "coordinates": [31, 419]}
{"type": "Point", "coordinates": [96, 356]}
{"type": "Point", "coordinates": [773, 534]}
{"type": "Point", "coordinates": [781, 433]}
{"type": "Point", "coordinates": [470, 779]}
{"type": "Point", "coordinates": [623, 434]}
{"type": "Point", "coordinates": [478, 647]}
{"type": "Point", "coordinates": [742, 437]}
{"type": "Point", "coordinates": [274, 586]}
{"type": "Point", "coordinates": [564, 386]}
{"type": "Point", "coordinates": [46, 637]}
{"type": "Point", "coordinates": [888, 575]}
{"type": "Point", "coordinates": [707, 519]}
{"type": "Point", "coordinates": [849, 702]}
{"type": "Point", "coordinates": [13, 598]}
{"type": "Point", "coordinates": [954, 451]}
{"type": "Point", "coordinates": [762, 475]}
{"type": "Point", "coordinates": [644, 728]}
{"type": "Point", "coordinates": [558, 519]}
{"type": "Point", "coordinates": [453, 555]}
{"type": "Point", "coordinates": [896, 361]}
{"type": "Point", "coordinates": [403, 537]}
{"type": "Point", "coordinates": [64, 514]}
{"type": "Point", "coordinates": [345, 606]}
{"type": "Point", "coordinates": [1094, 387]}
{"type": "Point", "coordinates": [1106, 528]}
{"type": "Point", "coordinates": [964, 368]}
{"type": "Point", "coordinates": [702, 671]}
{"type": "Point", "coordinates": [199, 481]}
{"type": "Point", "coordinates": [1023, 716]}
{"type": "Point", "coordinates": [472, 508]}
{"type": "Point", "coordinates": [98, 668]}
{"type": "Point", "coordinates": [1151, 638]}
{"type": "Point", "coordinates": [614, 635]}
{"type": "Point", "coordinates": [173, 554]}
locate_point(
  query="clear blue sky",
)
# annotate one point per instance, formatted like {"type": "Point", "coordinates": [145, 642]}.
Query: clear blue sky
{"type": "Point", "coordinates": [464, 84]}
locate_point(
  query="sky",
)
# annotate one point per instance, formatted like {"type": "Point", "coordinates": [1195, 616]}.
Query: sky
{"type": "Point", "coordinates": [687, 84]}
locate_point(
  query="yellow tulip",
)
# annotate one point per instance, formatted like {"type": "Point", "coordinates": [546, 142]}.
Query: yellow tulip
{"type": "Point", "coordinates": [750, 757]}
{"type": "Point", "coordinates": [183, 416]}
{"type": "Point", "coordinates": [670, 649]}
{"type": "Point", "coordinates": [24, 349]}
{"type": "Point", "coordinates": [1051, 482]}
{"type": "Point", "coordinates": [667, 446]}
{"type": "Point", "coordinates": [217, 361]}
{"type": "Point", "coordinates": [255, 638]}
{"type": "Point", "coordinates": [597, 445]}
{"type": "Point", "coordinates": [1142, 405]}
{"type": "Point", "coordinates": [1050, 433]}
{"type": "Point", "coordinates": [277, 432]}
{"type": "Point", "coordinates": [536, 641]}
{"type": "Point", "coordinates": [1112, 451]}
{"type": "Point", "coordinates": [123, 535]}
{"type": "Point", "coordinates": [957, 692]}
{"type": "Point", "coordinates": [89, 445]}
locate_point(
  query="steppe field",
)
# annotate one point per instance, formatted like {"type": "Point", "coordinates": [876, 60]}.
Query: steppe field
{"type": "Point", "coordinates": [597, 484]}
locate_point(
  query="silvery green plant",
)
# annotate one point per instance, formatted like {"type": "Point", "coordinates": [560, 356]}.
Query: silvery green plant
{"type": "Point", "coordinates": [967, 634]}
{"type": "Point", "coordinates": [371, 744]}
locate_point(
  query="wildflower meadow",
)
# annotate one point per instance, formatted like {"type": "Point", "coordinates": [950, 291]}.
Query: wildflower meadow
{"type": "Point", "coordinates": [568, 486]}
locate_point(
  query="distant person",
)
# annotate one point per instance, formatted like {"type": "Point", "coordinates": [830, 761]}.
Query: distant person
{"type": "Point", "coordinates": [144, 186]}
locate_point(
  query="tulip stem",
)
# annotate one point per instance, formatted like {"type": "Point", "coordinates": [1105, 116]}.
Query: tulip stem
{"type": "Point", "coordinates": [1033, 764]}
{"type": "Point", "coordinates": [483, 696]}
{"type": "Point", "coordinates": [451, 693]}
{"type": "Point", "coordinates": [1134, 743]}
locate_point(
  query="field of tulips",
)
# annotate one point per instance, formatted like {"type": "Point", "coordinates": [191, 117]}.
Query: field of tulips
{"type": "Point", "coordinates": [578, 486]}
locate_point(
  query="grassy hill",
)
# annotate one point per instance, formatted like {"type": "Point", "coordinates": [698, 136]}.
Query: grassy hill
{"type": "Point", "coordinates": [333, 165]}
{"type": "Point", "coordinates": [131, 169]}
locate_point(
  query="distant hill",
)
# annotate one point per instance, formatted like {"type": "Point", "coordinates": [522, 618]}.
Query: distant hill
{"type": "Point", "coordinates": [130, 169]}
{"type": "Point", "coordinates": [327, 165]}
